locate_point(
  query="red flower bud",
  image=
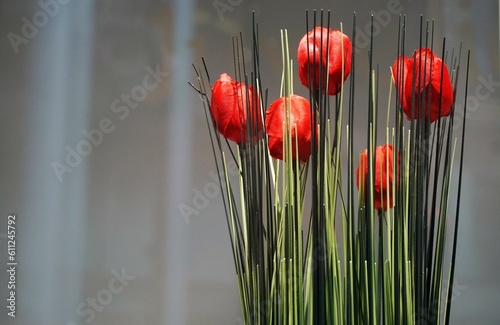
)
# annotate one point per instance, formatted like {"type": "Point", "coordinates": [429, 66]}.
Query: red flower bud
{"type": "Point", "coordinates": [230, 104]}
{"type": "Point", "coordinates": [382, 190]}
{"type": "Point", "coordinates": [299, 124]}
{"type": "Point", "coordinates": [338, 56]}
{"type": "Point", "coordinates": [430, 83]}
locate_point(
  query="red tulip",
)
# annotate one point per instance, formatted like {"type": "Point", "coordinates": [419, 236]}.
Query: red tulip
{"type": "Point", "coordinates": [338, 55]}
{"type": "Point", "coordinates": [230, 103]}
{"type": "Point", "coordinates": [299, 124]}
{"type": "Point", "coordinates": [426, 87]}
{"type": "Point", "coordinates": [382, 190]}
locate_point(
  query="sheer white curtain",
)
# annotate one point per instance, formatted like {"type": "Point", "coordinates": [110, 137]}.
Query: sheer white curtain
{"type": "Point", "coordinates": [179, 155]}
{"type": "Point", "coordinates": [51, 218]}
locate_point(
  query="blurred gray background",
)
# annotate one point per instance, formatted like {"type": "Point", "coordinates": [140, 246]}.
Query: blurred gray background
{"type": "Point", "coordinates": [104, 148]}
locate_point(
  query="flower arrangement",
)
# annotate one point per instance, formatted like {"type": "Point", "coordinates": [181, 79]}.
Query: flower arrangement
{"type": "Point", "coordinates": [310, 244]}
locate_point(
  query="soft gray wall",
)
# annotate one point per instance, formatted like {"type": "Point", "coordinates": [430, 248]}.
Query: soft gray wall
{"type": "Point", "coordinates": [123, 66]}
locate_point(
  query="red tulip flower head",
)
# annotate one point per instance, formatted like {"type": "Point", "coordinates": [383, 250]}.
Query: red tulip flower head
{"type": "Point", "coordinates": [382, 188]}
{"type": "Point", "coordinates": [299, 124]}
{"type": "Point", "coordinates": [329, 54]}
{"type": "Point", "coordinates": [430, 84]}
{"type": "Point", "coordinates": [230, 104]}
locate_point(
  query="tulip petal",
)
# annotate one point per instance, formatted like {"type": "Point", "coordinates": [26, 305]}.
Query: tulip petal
{"type": "Point", "coordinates": [423, 92]}
{"type": "Point", "coordinates": [383, 170]}
{"type": "Point", "coordinates": [314, 59]}
{"type": "Point", "coordinates": [229, 105]}
{"type": "Point", "coordinates": [299, 124]}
